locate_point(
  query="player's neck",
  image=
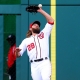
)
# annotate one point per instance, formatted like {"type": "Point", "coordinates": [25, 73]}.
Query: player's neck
{"type": "Point", "coordinates": [34, 34]}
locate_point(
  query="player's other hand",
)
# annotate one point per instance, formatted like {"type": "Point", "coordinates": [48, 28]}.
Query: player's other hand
{"type": "Point", "coordinates": [17, 50]}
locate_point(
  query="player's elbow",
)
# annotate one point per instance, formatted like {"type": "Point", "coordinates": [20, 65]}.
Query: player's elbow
{"type": "Point", "coordinates": [51, 21]}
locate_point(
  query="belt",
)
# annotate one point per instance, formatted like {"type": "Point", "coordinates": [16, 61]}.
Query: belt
{"type": "Point", "coordinates": [37, 60]}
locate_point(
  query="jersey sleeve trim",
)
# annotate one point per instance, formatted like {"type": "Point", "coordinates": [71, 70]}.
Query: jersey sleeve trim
{"type": "Point", "coordinates": [51, 23]}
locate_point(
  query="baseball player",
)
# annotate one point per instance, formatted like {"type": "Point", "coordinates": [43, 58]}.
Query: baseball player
{"type": "Point", "coordinates": [37, 45]}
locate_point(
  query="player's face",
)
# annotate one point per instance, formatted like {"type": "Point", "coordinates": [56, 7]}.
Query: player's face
{"type": "Point", "coordinates": [35, 28]}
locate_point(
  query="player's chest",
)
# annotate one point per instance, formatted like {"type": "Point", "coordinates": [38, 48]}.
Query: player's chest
{"type": "Point", "coordinates": [36, 41]}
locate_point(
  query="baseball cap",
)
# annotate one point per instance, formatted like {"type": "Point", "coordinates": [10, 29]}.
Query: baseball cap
{"type": "Point", "coordinates": [35, 22]}
{"type": "Point", "coordinates": [11, 37]}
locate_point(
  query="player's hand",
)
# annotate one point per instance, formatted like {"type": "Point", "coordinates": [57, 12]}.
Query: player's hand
{"type": "Point", "coordinates": [17, 50]}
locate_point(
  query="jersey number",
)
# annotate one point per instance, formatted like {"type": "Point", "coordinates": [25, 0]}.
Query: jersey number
{"type": "Point", "coordinates": [30, 46]}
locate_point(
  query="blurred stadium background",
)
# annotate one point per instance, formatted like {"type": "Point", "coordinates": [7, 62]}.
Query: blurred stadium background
{"type": "Point", "coordinates": [64, 40]}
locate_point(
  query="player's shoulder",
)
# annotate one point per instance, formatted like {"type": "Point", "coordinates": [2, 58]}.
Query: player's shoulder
{"type": "Point", "coordinates": [26, 39]}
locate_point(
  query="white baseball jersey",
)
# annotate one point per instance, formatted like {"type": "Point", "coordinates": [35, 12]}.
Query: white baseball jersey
{"type": "Point", "coordinates": [37, 46]}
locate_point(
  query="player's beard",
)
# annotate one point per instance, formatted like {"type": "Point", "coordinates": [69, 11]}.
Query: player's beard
{"type": "Point", "coordinates": [37, 31]}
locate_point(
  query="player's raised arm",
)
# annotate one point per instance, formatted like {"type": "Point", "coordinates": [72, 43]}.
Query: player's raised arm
{"type": "Point", "coordinates": [46, 15]}
{"type": "Point", "coordinates": [50, 22]}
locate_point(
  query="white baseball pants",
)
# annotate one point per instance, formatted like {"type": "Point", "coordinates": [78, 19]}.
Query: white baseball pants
{"type": "Point", "coordinates": [41, 70]}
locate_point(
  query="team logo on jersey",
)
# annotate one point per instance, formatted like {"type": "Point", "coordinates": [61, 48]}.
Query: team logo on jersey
{"type": "Point", "coordinates": [41, 35]}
